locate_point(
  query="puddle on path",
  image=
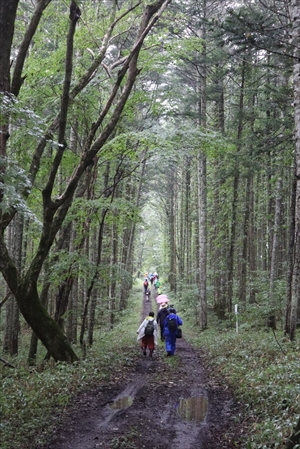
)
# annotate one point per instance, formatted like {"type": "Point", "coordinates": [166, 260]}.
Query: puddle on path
{"type": "Point", "coordinates": [192, 409]}
{"type": "Point", "coordinates": [123, 402]}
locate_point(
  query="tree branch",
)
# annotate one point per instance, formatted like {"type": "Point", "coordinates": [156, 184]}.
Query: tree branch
{"type": "Point", "coordinates": [17, 79]}
{"type": "Point", "coordinates": [6, 363]}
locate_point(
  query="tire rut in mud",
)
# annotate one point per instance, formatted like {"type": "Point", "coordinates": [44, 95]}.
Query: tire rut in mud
{"type": "Point", "coordinates": [150, 413]}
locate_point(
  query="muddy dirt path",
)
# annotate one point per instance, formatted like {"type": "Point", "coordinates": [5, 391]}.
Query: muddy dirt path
{"type": "Point", "coordinates": [166, 403]}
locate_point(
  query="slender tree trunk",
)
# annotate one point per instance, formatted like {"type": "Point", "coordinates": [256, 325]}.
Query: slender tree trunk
{"type": "Point", "coordinates": [9, 318]}
{"type": "Point", "coordinates": [188, 224]}
{"type": "Point", "coordinates": [230, 263]}
{"type": "Point", "coordinates": [290, 258]}
{"type": "Point", "coordinates": [274, 255]}
{"type": "Point", "coordinates": [202, 241]}
{"type": "Point", "coordinates": [243, 259]}
{"type": "Point", "coordinates": [71, 321]}
{"type": "Point", "coordinates": [94, 278]}
{"type": "Point", "coordinates": [252, 247]}
{"type": "Point", "coordinates": [16, 245]}
{"type": "Point", "coordinates": [296, 266]}
{"type": "Point", "coordinates": [73, 315]}
{"type": "Point", "coordinates": [172, 230]}
{"type": "Point", "coordinates": [113, 282]}
{"type": "Point", "coordinates": [181, 237]}
{"type": "Point", "coordinates": [216, 257]}
{"type": "Point", "coordinates": [202, 188]}
{"type": "Point", "coordinates": [93, 295]}
{"type": "Point", "coordinates": [129, 259]}
{"type": "Point", "coordinates": [219, 276]}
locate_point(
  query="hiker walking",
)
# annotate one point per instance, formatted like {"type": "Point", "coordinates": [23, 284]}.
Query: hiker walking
{"type": "Point", "coordinates": [160, 318]}
{"type": "Point", "coordinates": [171, 323]}
{"type": "Point", "coordinates": [148, 294]}
{"type": "Point", "coordinates": [156, 283]}
{"type": "Point", "coordinates": [145, 285]}
{"type": "Point", "coordinates": [147, 333]}
{"type": "Point", "coordinates": [157, 287]}
{"type": "Point", "coordinates": [170, 306]}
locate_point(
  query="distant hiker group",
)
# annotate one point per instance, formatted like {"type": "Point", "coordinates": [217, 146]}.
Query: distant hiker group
{"type": "Point", "coordinates": [168, 321]}
{"type": "Point", "coordinates": [153, 279]}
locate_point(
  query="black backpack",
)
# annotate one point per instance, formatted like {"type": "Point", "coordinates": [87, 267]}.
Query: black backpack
{"type": "Point", "coordinates": [149, 330]}
{"type": "Point", "coordinates": [172, 324]}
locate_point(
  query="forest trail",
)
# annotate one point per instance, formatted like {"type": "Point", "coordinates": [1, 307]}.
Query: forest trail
{"type": "Point", "coordinates": [165, 403]}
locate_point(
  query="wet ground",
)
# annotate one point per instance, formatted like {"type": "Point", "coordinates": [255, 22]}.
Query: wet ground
{"type": "Point", "coordinates": [166, 403]}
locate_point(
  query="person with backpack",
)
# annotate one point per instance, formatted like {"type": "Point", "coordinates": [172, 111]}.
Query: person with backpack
{"type": "Point", "coordinates": [160, 318]}
{"type": "Point", "coordinates": [145, 285]}
{"type": "Point", "coordinates": [147, 334]}
{"type": "Point", "coordinates": [171, 323]}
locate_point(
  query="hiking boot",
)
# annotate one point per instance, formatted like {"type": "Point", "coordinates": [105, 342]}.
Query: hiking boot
{"type": "Point", "coordinates": [144, 351]}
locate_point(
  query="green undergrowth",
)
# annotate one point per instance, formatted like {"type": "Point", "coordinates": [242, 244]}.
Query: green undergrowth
{"type": "Point", "coordinates": [30, 398]}
{"type": "Point", "coordinates": [263, 370]}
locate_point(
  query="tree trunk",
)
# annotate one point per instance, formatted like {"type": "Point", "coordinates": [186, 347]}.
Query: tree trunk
{"type": "Point", "coordinates": [8, 10]}
{"type": "Point", "coordinates": [202, 192]}
{"type": "Point", "coordinates": [55, 209]}
{"type": "Point", "coordinates": [34, 339]}
{"type": "Point", "coordinates": [243, 258]}
{"type": "Point", "coordinates": [113, 282]}
{"type": "Point", "coordinates": [45, 327]}
{"type": "Point", "coordinates": [296, 267]}
{"type": "Point", "coordinates": [15, 244]}
{"type": "Point", "coordinates": [92, 283]}
{"type": "Point", "coordinates": [230, 263]}
{"type": "Point", "coordinates": [172, 229]}
{"type": "Point", "coordinates": [290, 258]}
{"type": "Point", "coordinates": [294, 439]}
{"type": "Point", "coordinates": [219, 276]}
{"type": "Point", "coordinates": [188, 224]}
{"type": "Point", "coordinates": [274, 255]}
{"type": "Point", "coordinates": [93, 294]}
{"type": "Point", "coordinates": [252, 247]}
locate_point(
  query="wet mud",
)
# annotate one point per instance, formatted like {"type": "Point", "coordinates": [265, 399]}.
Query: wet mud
{"type": "Point", "coordinates": [166, 403]}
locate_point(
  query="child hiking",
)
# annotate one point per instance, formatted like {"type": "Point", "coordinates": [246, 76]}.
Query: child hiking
{"type": "Point", "coordinates": [147, 334]}
{"type": "Point", "coordinates": [171, 323]}
{"type": "Point", "coordinates": [145, 285]}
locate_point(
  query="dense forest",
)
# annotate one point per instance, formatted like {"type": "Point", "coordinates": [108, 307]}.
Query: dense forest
{"type": "Point", "coordinates": [141, 136]}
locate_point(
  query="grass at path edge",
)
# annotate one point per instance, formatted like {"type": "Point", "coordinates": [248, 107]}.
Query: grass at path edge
{"type": "Point", "coordinates": [30, 398]}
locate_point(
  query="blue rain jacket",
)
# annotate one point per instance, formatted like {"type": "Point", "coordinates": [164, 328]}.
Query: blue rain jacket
{"type": "Point", "coordinates": [171, 336]}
